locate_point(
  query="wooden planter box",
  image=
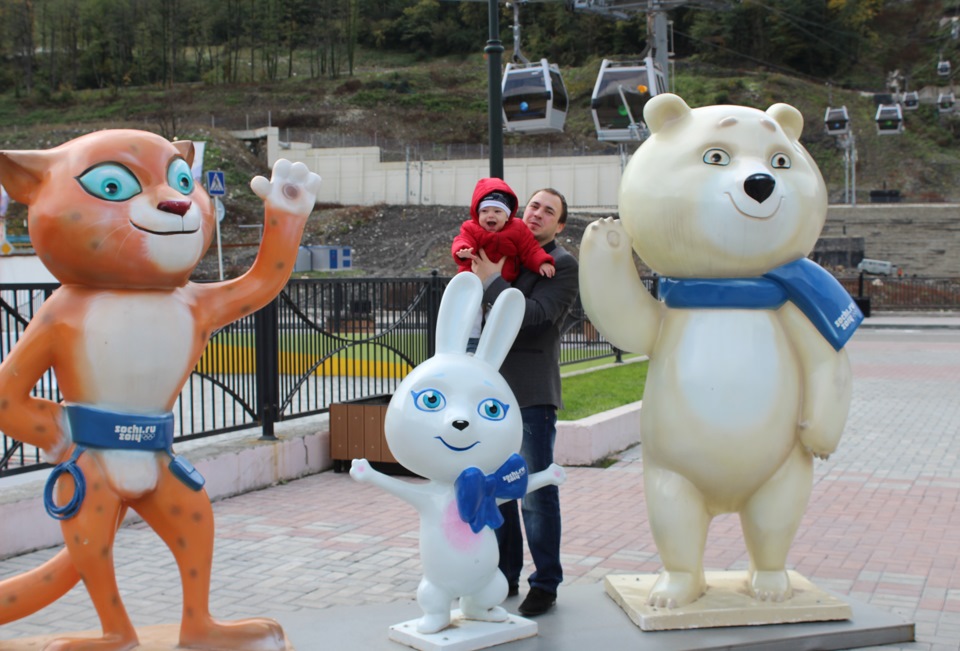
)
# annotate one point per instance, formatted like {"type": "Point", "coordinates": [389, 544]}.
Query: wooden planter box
{"type": "Point", "coordinates": [356, 432]}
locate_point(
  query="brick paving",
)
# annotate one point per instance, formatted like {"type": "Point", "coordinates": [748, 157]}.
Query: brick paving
{"type": "Point", "coordinates": [883, 525]}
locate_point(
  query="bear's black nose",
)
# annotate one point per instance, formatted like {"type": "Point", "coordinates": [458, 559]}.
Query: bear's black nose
{"type": "Point", "coordinates": [759, 186]}
{"type": "Point", "coordinates": [461, 424]}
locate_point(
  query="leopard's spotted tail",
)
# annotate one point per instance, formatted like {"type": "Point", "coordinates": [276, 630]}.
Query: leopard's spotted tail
{"type": "Point", "coordinates": [27, 593]}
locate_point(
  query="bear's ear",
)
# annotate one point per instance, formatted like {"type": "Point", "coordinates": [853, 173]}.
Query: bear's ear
{"type": "Point", "coordinates": [663, 109]}
{"type": "Point", "coordinates": [789, 118]}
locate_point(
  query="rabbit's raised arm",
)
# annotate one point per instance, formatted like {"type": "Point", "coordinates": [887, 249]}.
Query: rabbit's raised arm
{"type": "Point", "coordinates": [418, 495]}
{"type": "Point", "coordinates": [553, 475]}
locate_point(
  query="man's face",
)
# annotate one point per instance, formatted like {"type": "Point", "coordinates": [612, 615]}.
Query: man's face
{"type": "Point", "coordinates": [542, 216]}
{"type": "Point", "coordinates": [492, 219]}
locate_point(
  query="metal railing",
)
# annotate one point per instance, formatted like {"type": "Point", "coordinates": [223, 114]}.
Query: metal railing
{"type": "Point", "coordinates": [18, 305]}
{"type": "Point", "coordinates": [336, 340]}
{"type": "Point", "coordinates": [320, 342]}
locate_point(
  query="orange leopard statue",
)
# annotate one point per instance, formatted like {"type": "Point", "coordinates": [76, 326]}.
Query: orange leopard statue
{"type": "Point", "coordinates": [116, 217]}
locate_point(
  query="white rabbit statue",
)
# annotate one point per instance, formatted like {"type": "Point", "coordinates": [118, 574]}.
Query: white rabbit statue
{"type": "Point", "coordinates": [454, 420]}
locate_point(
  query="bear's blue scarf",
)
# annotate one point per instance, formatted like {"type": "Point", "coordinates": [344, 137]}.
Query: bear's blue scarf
{"type": "Point", "coordinates": [803, 282]}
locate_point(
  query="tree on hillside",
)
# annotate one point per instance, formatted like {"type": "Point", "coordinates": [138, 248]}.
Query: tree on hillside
{"type": "Point", "coordinates": [108, 35]}
{"type": "Point", "coordinates": [912, 40]}
{"type": "Point", "coordinates": [435, 28]}
{"type": "Point", "coordinates": [804, 36]}
{"type": "Point", "coordinates": [862, 40]}
{"type": "Point", "coordinates": [569, 38]}
{"type": "Point", "coordinates": [49, 45]}
{"type": "Point", "coordinates": [58, 27]}
{"type": "Point", "coordinates": [19, 19]}
{"type": "Point", "coordinates": [334, 34]}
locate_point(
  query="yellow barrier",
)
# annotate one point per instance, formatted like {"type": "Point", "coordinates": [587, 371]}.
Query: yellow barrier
{"type": "Point", "coordinates": [238, 360]}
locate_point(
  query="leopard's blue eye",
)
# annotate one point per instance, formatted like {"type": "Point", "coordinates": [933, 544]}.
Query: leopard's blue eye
{"type": "Point", "coordinates": [179, 176]}
{"type": "Point", "coordinates": [110, 181]}
{"type": "Point", "coordinates": [428, 400]}
{"type": "Point", "coordinates": [492, 409]}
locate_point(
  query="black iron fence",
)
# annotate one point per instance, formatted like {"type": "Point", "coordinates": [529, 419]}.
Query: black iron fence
{"type": "Point", "coordinates": [18, 305]}
{"type": "Point", "coordinates": [320, 342]}
{"type": "Point", "coordinates": [335, 340]}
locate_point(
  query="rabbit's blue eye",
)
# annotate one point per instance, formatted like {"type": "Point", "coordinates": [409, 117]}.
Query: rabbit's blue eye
{"type": "Point", "coordinates": [493, 409]}
{"type": "Point", "coordinates": [428, 400]}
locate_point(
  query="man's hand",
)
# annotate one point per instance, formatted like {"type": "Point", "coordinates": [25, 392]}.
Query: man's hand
{"type": "Point", "coordinates": [484, 268]}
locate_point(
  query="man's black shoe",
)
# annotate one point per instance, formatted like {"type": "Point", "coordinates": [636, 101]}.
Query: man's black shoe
{"type": "Point", "coordinates": [537, 602]}
{"type": "Point", "coordinates": [513, 590]}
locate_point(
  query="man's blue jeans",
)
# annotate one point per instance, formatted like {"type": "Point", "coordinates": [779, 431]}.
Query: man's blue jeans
{"type": "Point", "coordinates": [541, 509]}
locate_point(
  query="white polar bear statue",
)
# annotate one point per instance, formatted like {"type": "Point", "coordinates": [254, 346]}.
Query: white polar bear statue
{"type": "Point", "coordinates": [455, 421]}
{"type": "Point", "coordinates": [748, 378]}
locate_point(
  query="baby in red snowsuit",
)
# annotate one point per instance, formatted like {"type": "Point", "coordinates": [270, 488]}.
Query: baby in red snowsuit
{"type": "Point", "coordinates": [492, 227]}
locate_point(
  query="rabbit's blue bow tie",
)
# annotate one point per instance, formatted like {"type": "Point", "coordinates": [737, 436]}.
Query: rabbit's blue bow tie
{"type": "Point", "coordinates": [803, 282]}
{"type": "Point", "coordinates": [477, 493]}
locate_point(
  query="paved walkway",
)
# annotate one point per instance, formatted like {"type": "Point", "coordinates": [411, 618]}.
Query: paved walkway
{"type": "Point", "coordinates": [883, 525]}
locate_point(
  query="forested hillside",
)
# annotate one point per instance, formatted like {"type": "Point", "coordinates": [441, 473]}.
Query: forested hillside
{"type": "Point", "coordinates": [54, 46]}
{"type": "Point", "coordinates": [413, 72]}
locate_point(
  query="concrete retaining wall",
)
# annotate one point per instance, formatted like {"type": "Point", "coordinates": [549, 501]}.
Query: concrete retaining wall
{"type": "Point", "coordinates": [921, 239]}
{"type": "Point", "coordinates": [589, 440]}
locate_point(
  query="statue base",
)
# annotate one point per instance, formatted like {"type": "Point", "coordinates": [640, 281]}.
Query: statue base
{"type": "Point", "coordinates": [163, 637]}
{"type": "Point", "coordinates": [464, 634]}
{"type": "Point", "coordinates": [727, 602]}
{"type": "Point", "coordinates": [584, 618]}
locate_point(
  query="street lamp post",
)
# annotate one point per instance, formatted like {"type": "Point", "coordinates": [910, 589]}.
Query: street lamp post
{"type": "Point", "coordinates": [494, 50]}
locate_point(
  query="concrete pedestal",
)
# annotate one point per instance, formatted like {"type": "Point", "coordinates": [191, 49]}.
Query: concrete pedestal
{"type": "Point", "coordinates": [727, 602]}
{"type": "Point", "coordinates": [585, 618]}
{"type": "Point", "coordinates": [463, 634]}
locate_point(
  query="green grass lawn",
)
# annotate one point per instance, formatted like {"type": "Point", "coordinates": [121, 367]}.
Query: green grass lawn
{"type": "Point", "coordinates": [590, 393]}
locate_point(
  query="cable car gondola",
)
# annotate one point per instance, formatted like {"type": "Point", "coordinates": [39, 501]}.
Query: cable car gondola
{"type": "Point", "coordinates": [889, 120]}
{"type": "Point", "coordinates": [534, 98]}
{"type": "Point", "coordinates": [837, 121]}
{"type": "Point", "coordinates": [946, 102]}
{"type": "Point", "coordinates": [943, 68]}
{"type": "Point", "coordinates": [910, 101]}
{"type": "Point", "coordinates": [621, 92]}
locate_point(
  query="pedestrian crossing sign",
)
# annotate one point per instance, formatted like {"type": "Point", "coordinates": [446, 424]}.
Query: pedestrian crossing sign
{"type": "Point", "coordinates": [216, 186]}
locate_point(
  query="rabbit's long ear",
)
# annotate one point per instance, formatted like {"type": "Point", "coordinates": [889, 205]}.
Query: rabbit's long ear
{"type": "Point", "coordinates": [501, 327]}
{"type": "Point", "coordinates": [458, 309]}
